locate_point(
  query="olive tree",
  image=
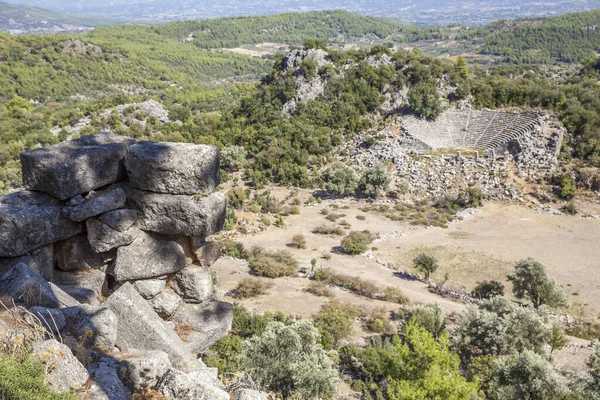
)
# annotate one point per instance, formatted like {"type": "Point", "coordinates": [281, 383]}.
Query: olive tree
{"type": "Point", "coordinates": [288, 360]}
{"type": "Point", "coordinates": [233, 158]}
{"type": "Point", "coordinates": [375, 181]}
{"type": "Point", "coordinates": [425, 263]}
{"type": "Point", "coordinates": [531, 281]}
{"type": "Point", "coordinates": [341, 179]}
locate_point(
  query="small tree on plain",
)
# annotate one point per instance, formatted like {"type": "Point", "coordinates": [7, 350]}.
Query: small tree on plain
{"type": "Point", "coordinates": [425, 263]}
{"type": "Point", "coordinates": [531, 281]}
{"type": "Point", "coordinates": [341, 179]}
{"type": "Point", "coordinates": [375, 181]}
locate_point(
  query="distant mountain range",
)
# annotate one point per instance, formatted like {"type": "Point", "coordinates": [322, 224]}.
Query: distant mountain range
{"type": "Point", "coordinates": [16, 18]}
{"type": "Point", "coordinates": [422, 12]}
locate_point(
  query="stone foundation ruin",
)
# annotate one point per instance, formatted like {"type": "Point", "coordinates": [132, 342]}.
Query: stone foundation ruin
{"type": "Point", "coordinates": [107, 247]}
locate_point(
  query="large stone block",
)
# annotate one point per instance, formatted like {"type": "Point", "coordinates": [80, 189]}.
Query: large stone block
{"type": "Point", "coordinates": [23, 285]}
{"type": "Point", "coordinates": [103, 238]}
{"type": "Point", "coordinates": [120, 220]}
{"type": "Point", "coordinates": [104, 202]}
{"type": "Point", "coordinates": [207, 253]}
{"type": "Point", "coordinates": [173, 168]}
{"type": "Point", "coordinates": [140, 327]}
{"type": "Point", "coordinates": [97, 326]}
{"type": "Point", "coordinates": [209, 323]}
{"type": "Point", "coordinates": [29, 220]}
{"type": "Point", "coordinates": [94, 280]}
{"type": "Point", "coordinates": [76, 254]}
{"type": "Point", "coordinates": [106, 383]}
{"type": "Point", "coordinates": [141, 370]}
{"type": "Point", "coordinates": [194, 284]}
{"type": "Point", "coordinates": [178, 214]}
{"type": "Point", "coordinates": [181, 386]}
{"type": "Point", "coordinates": [75, 167]}
{"type": "Point", "coordinates": [40, 260]}
{"type": "Point", "coordinates": [65, 372]}
{"type": "Point", "coordinates": [148, 256]}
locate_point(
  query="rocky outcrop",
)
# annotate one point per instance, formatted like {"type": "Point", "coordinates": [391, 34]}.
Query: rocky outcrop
{"type": "Point", "coordinates": [125, 252]}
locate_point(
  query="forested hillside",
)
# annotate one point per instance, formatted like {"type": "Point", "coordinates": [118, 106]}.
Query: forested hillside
{"type": "Point", "coordinates": [24, 14]}
{"type": "Point", "coordinates": [568, 38]}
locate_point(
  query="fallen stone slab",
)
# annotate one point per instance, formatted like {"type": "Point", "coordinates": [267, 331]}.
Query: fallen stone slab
{"type": "Point", "coordinates": [30, 220]}
{"type": "Point", "coordinates": [93, 279]}
{"type": "Point", "coordinates": [76, 254]}
{"type": "Point", "coordinates": [181, 386]}
{"type": "Point", "coordinates": [95, 325]}
{"type": "Point", "coordinates": [104, 202]}
{"type": "Point", "coordinates": [66, 372]}
{"type": "Point", "coordinates": [209, 322]}
{"type": "Point", "coordinates": [107, 385]}
{"type": "Point", "coordinates": [141, 370]}
{"type": "Point", "coordinates": [150, 288]}
{"type": "Point", "coordinates": [103, 238]}
{"type": "Point", "coordinates": [119, 220]}
{"type": "Point", "coordinates": [76, 167]}
{"type": "Point", "coordinates": [40, 260]}
{"type": "Point", "coordinates": [148, 256]}
{"type": "Point", "coordinates": [195, 216]}
{"type": "Point", "coordinates": [207, 253]}
{"type": "Point", "coordinates": [173, 168]}
{"type": "Point", "coordinates": [64, 299]}
{"type": "Point", "coordinates": [166, 303]}
{"type": "Point", "coordinates": [194, 284]}
{"type": "Point", "coordinates": [23, 285]}
{"type": "Point", "coordinates": [141, 328]}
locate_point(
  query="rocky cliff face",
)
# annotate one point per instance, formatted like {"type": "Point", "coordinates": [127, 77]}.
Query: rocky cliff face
{"type": "Point", "coordinates": [110, 237]}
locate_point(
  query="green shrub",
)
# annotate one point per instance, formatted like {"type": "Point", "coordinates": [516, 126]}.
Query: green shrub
{"type": "Point", "coordinates": [340, 179]}
{"type": "Point", "coordinates": [425, 263]}
{"type": "Point", "coordinates": [356, 242]}
{"type": "Point", "coordinates": [488, 289]}
{"type": "Point", "coordinates": [568, 187]}
{"type": "Point", "coordinates": [237, 196]}
{"type": "Point", "coordinates": [265, 220]}
{"type": "Point", "coordinates": [26, 380]}
{"type": "Point", "coordinates": [428, 316]}
{"type": "Point", "coordinates": [378, 322]}
{"type": "Point", "coordinates": [272, 264]}
{"type": "Point", "coordinates": [328, 230]}
{"type": "Point", "coordinates": [233, 249]}
{"type": "Point", "coordinates": [351, 283]}
{"type": "Point", "coordinates": [251, 287]}
{"type": "Point", "coordinates": [334, 217]}
{"type": "Point", "coordinates": [361, 217]}
{"type": "Point", "coordinates": [233, 158]}
{"type": "Point", "coordinates": [335, 324]}
{"type": "Point", "coordinates": [230, 219]}
{"type": "Point", "coordinates": [394, 295]}
{"type": "Point", "coordinates": [319, 289]}
{"type": "Point", "coordinates": [279, 221]}
{"type": "Point", "coordinates": [375, 181]}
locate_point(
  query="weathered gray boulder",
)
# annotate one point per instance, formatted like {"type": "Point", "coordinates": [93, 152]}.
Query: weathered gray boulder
{"type": "Point", "coordinates": [249, 394]}
{"type": "Point", "coordinates": [178, 214]}
{"type": "Point", "coordinates": [150, 288]}
{"type": "Point", "coordinates": [76, 254]}
{"type": "Point", "coordinates": [209, 321]}
{"type": "Point", "coordinates": [96, 326]}
{"type": "Point", "coordinates": [75, 167]}
{"type": "Point", "coordinates": [102, 203]}
{"type": "Point", "coordinates": [66, 372]}
{"type": "Point", "coordinates": [107, 385]}
{"type": "Point", "coordinates": [103, 238]}
{"type": "Point", "coordinates": [148, 256]}
{"type": "Point", "coordinates": [186, 245]}
{"type": "Point", "coordinates": [120, 220]}
{"type": "Point", "coordinates": [140, 370]}
{"type": "Point", "coordinates": [173, 168]}
{"type": "Point", "coordinates": [23, 285]}
{"type": "Point", "coordinates": [166, 303]}
{"type": "Point", "coordinates": [50, 318]}
{"type": "Point", "coordinates": [64, 299]}
{"type": "Point", "coordinates": [40, 260]}
{"type": "Point", "coordinates": [93, 279]}
{"type": "Point", "coordinates": [207, 253]}
{"type": "Point", "coordinates": [194, 284]}
{"type": "Point", "coordinates": [29, 220]}
{"type": "Point", "coordinates": [140, 327]}
{"type": "Point", "coordinates": [181, 386]}
{"type": "Point", "coordinates": [81, 295]}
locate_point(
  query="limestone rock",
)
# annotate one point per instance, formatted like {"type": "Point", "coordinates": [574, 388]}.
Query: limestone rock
{"type": "Point", "coordinates": [26, 286]}
{"type": "Point", "coordinates": [81, 295]}
{"type": "Point", "coordinates": [186, 245]}
{"type": "Point", "coordinates": [194, 284]}
{"type": "Point", "coordinates": [120, 220]}
{"type": "Point", "coordinates": [178, 214]}
{"type": "Point", "coordinates": [105, 202]}
{"type": "Point", "coordinates": [148, 256]}
{"type": "Point", "coordinates": [40, 260]}
{"type": "Point", "coordinates": [76, 254]}
{"type": "Point", "coordinates": [173, 168]}
{"type": "Point", "coordinates": [140, 327]}
{"type": "Point", "coordinates": [93, 279]}
{"type": "Point", "coordinates": [207, 253]}
{"type": "Point", "coordinates": [64, 299]}
{"type": "Point", "coordinates": [150, 288]}
{"type": "Point", "coordinates": [141, 370]}
{"type": "Point", "coordinates": [67, 372]}
{"type": "Point", "coordinates": [166, 303]}
{"type": "Point", "coordinates": [97, 324]}
{"type": "Point", "coordinates": [181, 386]}
{"type": "Point", "coordinates": [50, 318]}
{"type": "Point", "coordinates": [249, 394]}
{"type": "Point", "coordinates": [103, 238]}
{"type": "Point", "coordinates": [209, 321]}
{"type": "Point", "coordinates": [29, 220]}
{"type": "Point", "coordinates": [107, 385]}
{"type": "Point", "coordinates": [75, 167]}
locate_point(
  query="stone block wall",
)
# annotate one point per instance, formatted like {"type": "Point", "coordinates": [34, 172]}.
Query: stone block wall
{"type": "Point", "coordinates": [119, 225]}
